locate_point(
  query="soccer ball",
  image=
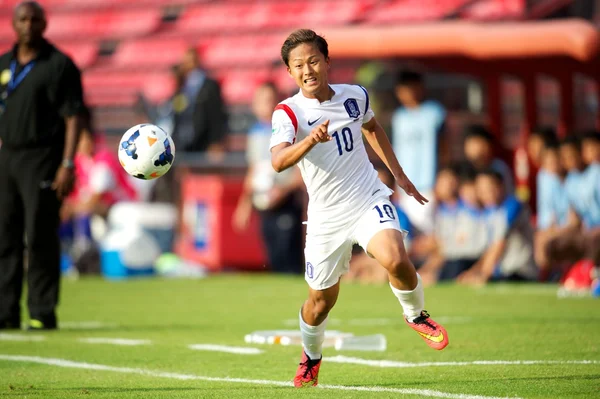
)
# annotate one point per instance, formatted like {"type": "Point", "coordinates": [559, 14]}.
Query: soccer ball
{"type": "Point", "coordinates": [146, 151]}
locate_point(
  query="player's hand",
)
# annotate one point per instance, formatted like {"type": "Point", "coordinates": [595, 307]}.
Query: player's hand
{"type": "Point", "coordinates": [63, 182]}
{"type": "Point", "coordinates": [410, 189]}
{"type": "Point", "coordinates": [241, 217]}
{"type": "Point", "coordinates": [319, 134]}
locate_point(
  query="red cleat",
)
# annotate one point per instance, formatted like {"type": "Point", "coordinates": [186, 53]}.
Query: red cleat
{"type": "Point", "coordinates": [434, 334]}
{"type": "Point", "coordinates": [307, 374]}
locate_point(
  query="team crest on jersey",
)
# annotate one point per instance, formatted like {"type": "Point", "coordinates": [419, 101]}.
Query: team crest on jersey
{"type": "Point", "coordinates": [352, 108]}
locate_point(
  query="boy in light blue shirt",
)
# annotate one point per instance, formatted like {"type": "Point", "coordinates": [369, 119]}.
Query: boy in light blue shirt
{"type": "Point", "coordinates": [459, 235]}
{"type": "Point", "coordinates": [416, 129]}
{"type": "Point", "coordinates": [509, 254]}
{"type": "Point", "coordinates": [582, 186]}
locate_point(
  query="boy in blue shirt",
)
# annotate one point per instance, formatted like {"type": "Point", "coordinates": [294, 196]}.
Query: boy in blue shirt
{"type": "Point", "coordinates": [582, 187]}
{"type": "Point", "coordinates": [552, 207]}
{"type": "Point", "coordinates": [509, 255]}
{"type": "Point", "coordinates": [459, 233]}
{"type": "Point", "coordinates": [416, 128]}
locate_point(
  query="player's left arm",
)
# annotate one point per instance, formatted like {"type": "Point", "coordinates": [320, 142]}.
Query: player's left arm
{"type": "Point", "coordinates": [380, 143]}
{"type": "Point", "coordinates": [70, 106]}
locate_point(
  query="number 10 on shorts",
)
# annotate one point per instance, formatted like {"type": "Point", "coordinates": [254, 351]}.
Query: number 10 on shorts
{"type": "Point", "coordinates": [385, 210]}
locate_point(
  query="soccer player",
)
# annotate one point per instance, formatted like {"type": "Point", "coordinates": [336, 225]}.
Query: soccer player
{"type": "Point", "coordinates": [320, 129]}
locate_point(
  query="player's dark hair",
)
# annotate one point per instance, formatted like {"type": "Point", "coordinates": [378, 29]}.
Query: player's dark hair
{"type": "Point", "coordinates": [551, 147]}
{"type": "Point", "coordinates": [546, 133]}
{"type": "Point", "coordinates": [450, 167]}
{"type": "Point", "coordinates": [33, 4]}
{"type": "Point", "coordinates": [466, 172]}
{"type": "Point", "coordinates": [573, 141]}
{"type": "Point", "coordinates": [300, 36]}
{"type": "Point", "coordinates": [408, 77]}
{"type": "Point", "coordinates": [494, 174]}
{"type": "Point", "coordinates": [478, 131]}
{"type": "Point", "coordinates": [591, 135]}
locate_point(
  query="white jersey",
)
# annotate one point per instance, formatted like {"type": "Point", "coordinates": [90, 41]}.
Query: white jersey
{"type": "Point", "coordinates": [340, 179]}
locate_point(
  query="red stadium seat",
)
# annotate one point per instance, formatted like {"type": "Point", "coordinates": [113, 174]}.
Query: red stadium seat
{"type": "Point", "coordinates": [237, 87]}
{"type": "Point", "coordinates": [110, 99]}
{"type": "Point", "coordinates": [214, 17]}
{"type": "Point", "coordinates": [83, 54]}
{"type": "Point", "coordinates": [149, 53]}
{"type": "Point", "coordinates": [51, 5]}
{"type": "Point", "coordinates": [253, 16]}
{"type": "Point", "coordinates": [104, 85]}
{"type": "Point", "coordinates": [104, 24]}
{"type": "Point", "coordinates": [413, 10]}
{"type": "Point", "coordinates": [248, 50]}
{"type": "Point", "coordinates": [495, 9]}
{"type": "Point", "coordinates": [7, 34]}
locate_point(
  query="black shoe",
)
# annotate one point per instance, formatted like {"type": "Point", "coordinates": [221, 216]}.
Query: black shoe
{"type": "Point", "coordinates": [10, 325]}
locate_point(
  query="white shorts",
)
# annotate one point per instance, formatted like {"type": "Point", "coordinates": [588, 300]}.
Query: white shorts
{"type": "Point", "coordinates": [328, 256]}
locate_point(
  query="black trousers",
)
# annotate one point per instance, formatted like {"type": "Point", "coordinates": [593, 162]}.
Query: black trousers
{"type": "Point", "coordinates": [282, 235]}
{"type": "Point", "coordinates": [29, 207]}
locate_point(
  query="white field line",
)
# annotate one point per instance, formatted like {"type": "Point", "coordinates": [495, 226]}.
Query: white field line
{"type": "Point", "coordinates": [116, 341]}
{"type": "Point", "coordinates": [238, 350]}
{"type": "Point", "coordinates": [395, 364]}
{"type": "Point", "coordinates": [184, 377]}
{"type": "Point", "coordinates": [381, 321]}
{"type": "Point", "coordinates": [21, 337]}
{"type": "Point", "coordinates": [84, 325]}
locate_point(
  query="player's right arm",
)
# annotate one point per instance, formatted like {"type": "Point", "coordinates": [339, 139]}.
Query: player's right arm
{"type": "Point", "coordinates": [286, 153]}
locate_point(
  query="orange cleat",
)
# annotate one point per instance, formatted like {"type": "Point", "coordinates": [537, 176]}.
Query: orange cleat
{"type": "Point", "coordinates": [434, 334]}
{"type": "Point", "coordinates": [307, 374]}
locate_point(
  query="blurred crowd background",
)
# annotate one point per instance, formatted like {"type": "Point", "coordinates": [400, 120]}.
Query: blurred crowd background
{"type": "Point", "coordinates": [504, 139]}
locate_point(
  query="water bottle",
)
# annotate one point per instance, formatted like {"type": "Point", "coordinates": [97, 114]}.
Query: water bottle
{"type": "Point", "coordinates": [376, 342]}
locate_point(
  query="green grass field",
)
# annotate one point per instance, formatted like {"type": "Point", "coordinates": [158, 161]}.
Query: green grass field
{"type": "Point", "coordinates": [497, 323]}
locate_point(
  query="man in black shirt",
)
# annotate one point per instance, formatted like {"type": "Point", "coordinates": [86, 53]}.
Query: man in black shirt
{"type": "Point", "coordinates": [40, 100]}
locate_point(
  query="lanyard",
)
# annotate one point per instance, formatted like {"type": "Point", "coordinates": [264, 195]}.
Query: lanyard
{"type": "Point", "coordinates": [16, 80]}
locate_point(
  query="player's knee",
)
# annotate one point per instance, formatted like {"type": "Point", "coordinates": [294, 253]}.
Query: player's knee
{"type": "Point", "coordinates": [319, 308]}
{"type": "Point", "coordinates": [397, 263]}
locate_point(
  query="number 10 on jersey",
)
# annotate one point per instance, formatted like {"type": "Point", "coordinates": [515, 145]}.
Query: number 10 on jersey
{"type": "Point", "coordinates": [347, 138]}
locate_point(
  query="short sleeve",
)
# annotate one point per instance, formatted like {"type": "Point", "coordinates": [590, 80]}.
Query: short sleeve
{"type": "Point", "coordinates": [101, 179]}
{"type": "Point", "coordinates": [440, 116]}
{"type": "Point", "coordinates": [513, 209]}
{"type": "Point", "coordinates": [368, 111]}
{"type": "Point", "coordinates": [545, 211]}
{"type": "Point", "coordinates": [498, 226]}
{"type": "Point", "coordinates": [283, 130]}
{"type": "Point", "coordinates": [70, 99]}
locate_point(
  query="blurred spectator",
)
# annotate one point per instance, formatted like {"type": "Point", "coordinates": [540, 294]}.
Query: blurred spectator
{"type": "Point", "coordinates": [100, 183]}
{"type": "Point", "coordinates": [459, 235]}
{"type": "Point", "coordinates": [581, 184]}
{"type": "Point", "coordinates": [552, 206]}
{"type": "Point", "coordinates": [509, 254]}
{"type": "Point", "coordinates": [583, 191]}
{"type": "Point", "coordinates": [539, 138]}
{"type": "Point", "coordinates": [200, 118]}
{"type": "Point", "coordinates": [552, 202]}
{"type": "Point", "coordinates": [277, 196]}
{"type": "Point", "coordinates": [479, 151]}
{"type": "Point", "coordinates": [416, 129]}
{"type": "Point", "coordinates": [590, 148]}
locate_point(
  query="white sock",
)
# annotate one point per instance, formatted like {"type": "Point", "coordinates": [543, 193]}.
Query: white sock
{"type": "Point", "coordinates": [413, 301]}
{"type": "Point", "coordinates": [312, 338]}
